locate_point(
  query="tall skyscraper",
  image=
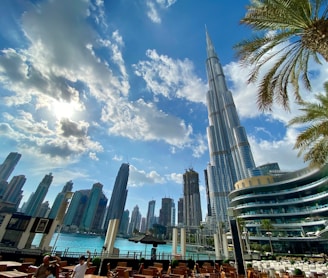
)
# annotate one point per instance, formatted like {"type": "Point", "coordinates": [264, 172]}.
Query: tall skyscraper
{"type": "Point", "coordinates": [14, 192]}
{"type": "Point", "coordinates": [95, 209]}
{"type": "Point", "coordinates": [180, 212]}
{"type": "Point", "coordinates": [76, 210]}
{"type": "Point", "coordinates": [231, 158]}
{"type": "Point", "coordinates": [118, 199]}
{"type": "Point", "coordinates": [34, 204]}
{"type": "Point", "coordinates": [68, 187]}
{"type": "Point", "coordinates": [150, 221]}
{"type": "Point", "coordinates": [116, 207]}
{"type": "Point", "coordinates": [124, 225]}
{"type": "Point", "coordinates": [135, 221]}
{"type": "Point", "coordinates": [8, 166]}
{"type": "Point", "coordinates": [192, 212]}
{"type": "Point", "coordinates": [165, 213]}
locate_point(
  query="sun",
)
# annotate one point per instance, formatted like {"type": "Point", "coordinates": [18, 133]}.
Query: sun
{"type": "Point", "coordinates": [63, 110]}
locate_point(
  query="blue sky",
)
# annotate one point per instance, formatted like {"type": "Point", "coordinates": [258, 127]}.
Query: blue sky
{"type": "Point", "coordinates": [88, 85]}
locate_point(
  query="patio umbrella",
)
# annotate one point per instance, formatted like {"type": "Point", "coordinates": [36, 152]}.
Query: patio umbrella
{"type": "Point", "coordinates": [147, 239]}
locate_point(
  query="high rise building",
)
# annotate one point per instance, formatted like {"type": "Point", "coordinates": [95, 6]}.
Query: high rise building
{"type": "Point", "coordinates": [34, 204]}
{"type": "Point", "coordinates": [150, 221]}
{"type": "Point", "coordinates": [180, 212]}
{"type": "Point", "coordinates": [173, 213]}
{"type": "Point", "coordinates": [43, 210]}
{"type": "Point", "coordinates": [231, 158]}
{"type": "Point", "coordinates": [143, 225]}
{"type": "Point", "coordinates": [118, 199]}
{"type": "Point", "coordinates": [95, 208]}
{"type": "Point", "coordinates": [76, 210]}
{"type": "Point", "coordinates": [124, 224]}
{"type": "Point", "coordinates": [135, 220]}
{"type": "Point", "coordinates": [165, 213]}
{"type": "Point", "coordinates": [116, 207]}
{"type": "Point", "coordinates": [68, 187]}
{"type": "Point", "coordinates": [8, 166]}
{"type": "Point", "coordinates": [3, 187]}
{"type": "Point", "coordinates": [14, 192]}
{"type": "Point", "coordinates": [192, 212]}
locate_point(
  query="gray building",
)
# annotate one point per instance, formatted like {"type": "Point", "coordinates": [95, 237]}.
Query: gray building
{"type": "Point", "coordinates": [34, 203]}
{"type": "Point", "coordinates": [8, 166]}
{"type": "Point", "coordinates": [231, 158]}
{"type": "Point", "coordinates": [192, 211]}
{"type": "Point", "coordinates": [68, 187]}
{"type": "Point", "coordinates": [150, 221]}
{"type": "Point", "coordinates": [118, 198]}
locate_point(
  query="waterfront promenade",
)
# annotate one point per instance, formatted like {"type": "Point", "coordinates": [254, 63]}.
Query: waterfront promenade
{"type": "Point", "coordinates": [70, 244]}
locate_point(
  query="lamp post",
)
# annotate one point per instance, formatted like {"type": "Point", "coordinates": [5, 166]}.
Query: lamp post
{"type": "Point", "coordinates": [269, 234]}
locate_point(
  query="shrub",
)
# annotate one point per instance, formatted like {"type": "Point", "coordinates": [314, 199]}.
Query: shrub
{"type": "Point", "coordinates": [298, 271]}
{"type": "Point", "coordinates": [96, 261]}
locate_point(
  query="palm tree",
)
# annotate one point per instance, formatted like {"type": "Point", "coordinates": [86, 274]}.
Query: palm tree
{"type": "Point", "coordinates": [313, 141]}
{"type": "Point", "coordinates": [267, 225]}
{"type": "Point", "coordinates": [299, 32]}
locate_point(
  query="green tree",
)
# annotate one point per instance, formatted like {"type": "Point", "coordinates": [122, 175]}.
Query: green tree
{"type": "Point", "coordinates": [299, 31]}
{"type": "Point", "coordinates": [266, 225]}
{"type": "Point", "coordinates": [313, 141]}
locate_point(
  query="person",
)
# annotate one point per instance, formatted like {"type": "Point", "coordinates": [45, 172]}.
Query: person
{"type": "Point", "coordinates": [41, 270]}
{"type": "Point", "coordinates": [82, 266]}
{"type": "Point", "coordinates": [50, 272]}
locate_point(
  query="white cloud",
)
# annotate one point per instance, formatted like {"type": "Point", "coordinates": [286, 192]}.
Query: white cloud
{"type": "Point", "coordinates": [152, 12]}
{"type": "Point", "coordinates": [175, 177]}
{"type": "Point", "coordinates": [142, 121]}
{"type": "Point", "coordinates": [171, 78]}
{"type": "Point", "coordinates": [140, 177]}
{"type": "Point", "coordinates": [155, 7]}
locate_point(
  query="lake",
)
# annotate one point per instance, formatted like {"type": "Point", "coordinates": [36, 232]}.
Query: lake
{"type": "Point", "coordinates": [79, 243]}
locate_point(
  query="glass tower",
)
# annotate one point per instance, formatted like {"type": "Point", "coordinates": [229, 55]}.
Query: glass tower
{"type": "Point", "coordinates": [8, 166]}
{"type": "Point", "coordinates": [34, 204]}
{"type": "Point", "coordinates": [192, 211]}
{"type": "Point", "coordinates": [118, 198]}
{"type": "Point", "coordinates": [14, 192]}
{"type": "Point", "coordinates": [150, 221]}
{"type": "Point", "coordinates": [68, 187]}
{"type": "Point", "coordinates": [231, 158]}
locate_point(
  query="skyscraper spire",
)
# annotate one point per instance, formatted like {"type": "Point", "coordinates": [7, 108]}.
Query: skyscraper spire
{"type": "Point", "coordinates": [209, 46]}
{"type": "Point", "coordinates": [231, 158]}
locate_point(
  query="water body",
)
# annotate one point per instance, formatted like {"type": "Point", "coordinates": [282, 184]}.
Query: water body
{"type": "Point", "coordinates": [79, 243]}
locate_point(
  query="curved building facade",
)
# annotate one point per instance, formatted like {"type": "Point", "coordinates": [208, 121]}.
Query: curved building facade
{"type": "Point", "coordinates": [288, 212]}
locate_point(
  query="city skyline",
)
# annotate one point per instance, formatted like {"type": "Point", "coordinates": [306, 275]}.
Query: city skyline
{"type": "Point", "coordinates": [88, 86]}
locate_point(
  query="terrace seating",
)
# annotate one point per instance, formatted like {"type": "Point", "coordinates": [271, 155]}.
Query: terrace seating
{"type": "Point", "coordinates": [124, 264]}
{"type": "Point", "coordinates": [24, 267]}
{"type": "Point", "coordinates": [148, 271]}
{"type": "Point", "coordinates": [91, 270]}
{"type": "Point", "coordinates": [3, 267]}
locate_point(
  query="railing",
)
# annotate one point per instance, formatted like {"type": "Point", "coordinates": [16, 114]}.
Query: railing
{"type": "Point", "coordinates": [105, 255]}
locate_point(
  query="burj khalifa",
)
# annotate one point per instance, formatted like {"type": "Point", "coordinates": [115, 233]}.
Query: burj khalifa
{"type": "Point", "coordinates": [231, 158]}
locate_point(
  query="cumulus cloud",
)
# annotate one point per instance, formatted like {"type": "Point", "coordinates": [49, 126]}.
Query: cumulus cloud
{"type": "Point", "coordinates": [154, 8]}
{"type": "Point", "coordinates": [142, 121]}
{"type": "Point", "coordinates": [140, 177]}
{"type": "Point", "coordinates": [171, 78]}
{"type": "Point", "coordinates": [175, 177]}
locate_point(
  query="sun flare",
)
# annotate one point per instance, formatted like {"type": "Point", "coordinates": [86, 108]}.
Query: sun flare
{"type": "Point", "coordinates": [63, 110]}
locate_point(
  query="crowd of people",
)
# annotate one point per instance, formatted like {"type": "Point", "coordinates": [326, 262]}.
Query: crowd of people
{"type": "Point", "coordinates": [50, 265]}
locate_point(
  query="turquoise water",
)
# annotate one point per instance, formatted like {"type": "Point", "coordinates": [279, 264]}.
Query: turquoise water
{"type": "Point", "coordinates": [79, 243]}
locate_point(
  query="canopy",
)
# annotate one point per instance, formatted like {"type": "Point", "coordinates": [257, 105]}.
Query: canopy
{"type": "Point", "coordinates": [147, 239]}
